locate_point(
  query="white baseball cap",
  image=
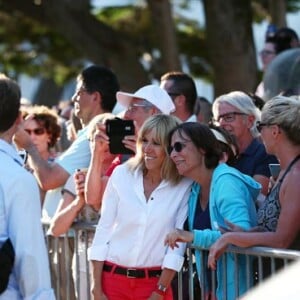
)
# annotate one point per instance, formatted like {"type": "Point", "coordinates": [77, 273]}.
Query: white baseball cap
{"type": "Point", "coordinates": [153, 94]}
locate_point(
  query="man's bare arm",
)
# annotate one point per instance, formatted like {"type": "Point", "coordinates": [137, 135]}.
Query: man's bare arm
{"type": "Point", "coordinates": [49, 175]}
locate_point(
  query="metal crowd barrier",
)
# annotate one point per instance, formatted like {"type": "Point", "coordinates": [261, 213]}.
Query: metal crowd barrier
{"type": "Point", "coordinates": [68, 253]}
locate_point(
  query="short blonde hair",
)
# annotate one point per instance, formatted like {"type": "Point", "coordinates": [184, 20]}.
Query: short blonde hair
{"type": "Point", "coordinates": [284, 112]}
{"type": "Point", "coordinates": [162, 125]}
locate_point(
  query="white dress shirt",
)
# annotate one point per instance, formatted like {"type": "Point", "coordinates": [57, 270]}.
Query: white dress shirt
{"type": "Point", "coordinates": [131, 230]}
{"type": "Point", "coordinates": [20, 213]}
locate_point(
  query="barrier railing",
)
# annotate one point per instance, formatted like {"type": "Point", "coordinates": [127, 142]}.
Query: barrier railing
{"type": "Point", "coordinates": [70, 268]}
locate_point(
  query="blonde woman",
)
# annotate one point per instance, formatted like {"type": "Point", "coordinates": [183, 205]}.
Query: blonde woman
{"type": "Point", "coordinates": [144, 199]}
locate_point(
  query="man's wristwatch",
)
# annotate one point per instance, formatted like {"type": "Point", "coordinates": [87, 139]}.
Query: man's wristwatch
{"type": "Point", "coordinates": [161, 289]}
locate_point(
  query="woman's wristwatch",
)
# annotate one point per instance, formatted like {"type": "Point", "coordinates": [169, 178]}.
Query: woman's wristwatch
{"type": "Point", "coordinates": [161, 289]}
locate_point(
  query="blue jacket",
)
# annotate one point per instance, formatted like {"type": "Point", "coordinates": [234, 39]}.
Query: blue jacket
{"type": "Point", "coordinates": [232, 197]}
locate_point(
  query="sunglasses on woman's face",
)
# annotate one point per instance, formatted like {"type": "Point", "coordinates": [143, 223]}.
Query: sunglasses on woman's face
{"type": "Point", "coordinates": [36, 131]}
{"type": "Point", "coordinates": [178, 146]}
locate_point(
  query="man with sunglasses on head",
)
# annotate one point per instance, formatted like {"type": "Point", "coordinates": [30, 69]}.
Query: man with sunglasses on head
{"type": "Point", "coordinates": [236, 113]}
{"type": "Point", "coordinates": [182, 89]}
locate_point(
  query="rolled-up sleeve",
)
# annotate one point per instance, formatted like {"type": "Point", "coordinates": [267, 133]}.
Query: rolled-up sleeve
{"type": "Point", "coordinates": [174, 258]}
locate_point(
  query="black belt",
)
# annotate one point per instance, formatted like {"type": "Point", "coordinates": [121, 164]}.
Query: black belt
{"type": "Point", "coordinates": [131, 272]}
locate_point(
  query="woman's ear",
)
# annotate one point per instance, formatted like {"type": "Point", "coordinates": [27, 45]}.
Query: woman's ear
{"type": "Point", "coordinates": [201, 151]}
{"type": "Point", "coordinates": [250, 121]}
{"type": "Point", "coordinates": [275, 130]}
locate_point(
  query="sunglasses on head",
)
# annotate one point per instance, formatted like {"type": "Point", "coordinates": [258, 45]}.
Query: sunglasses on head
{"type": "Point", "coordinates": [36, 131]}
{"type": "Point", "coordinates": [178, 146]}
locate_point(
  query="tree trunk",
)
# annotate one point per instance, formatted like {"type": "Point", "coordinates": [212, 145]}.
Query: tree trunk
{"type": "Point", "coordinates": [278, 12]}
{"type": "Point", "coordinates": [48, 93]}
{"type": "Point", "coordinates": [231, 45]}
{"type": "Point", "coordinates": [100, 43]}
{"type": "Point", "coordinates": [164, 28]}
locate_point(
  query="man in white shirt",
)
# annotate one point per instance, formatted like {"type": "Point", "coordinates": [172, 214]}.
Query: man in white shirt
{"type": "Point", "coordinates": [20, 208]}
{"type": "Point", "coordinates": [182, 89]}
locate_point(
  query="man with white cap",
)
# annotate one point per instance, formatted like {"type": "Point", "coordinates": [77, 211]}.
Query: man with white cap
{"type": "Point", "coordinates": [145, 102]}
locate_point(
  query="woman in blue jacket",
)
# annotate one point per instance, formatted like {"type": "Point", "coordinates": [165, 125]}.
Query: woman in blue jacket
{"type": "Point", "coordinates": [219, 194]}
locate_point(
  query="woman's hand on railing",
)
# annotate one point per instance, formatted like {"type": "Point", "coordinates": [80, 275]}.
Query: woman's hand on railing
{"type": "Point", "coordinates": [216, 250]}
{"type": "Point", "coordinates": [178, 235]}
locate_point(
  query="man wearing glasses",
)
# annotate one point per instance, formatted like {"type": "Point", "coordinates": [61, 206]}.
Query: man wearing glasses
{"type": "Point", "coordinates": [236, 113]}
{"type": "Point", "coordinates": [145, 102]}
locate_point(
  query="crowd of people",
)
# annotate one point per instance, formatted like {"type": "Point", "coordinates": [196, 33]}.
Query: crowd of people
{"type": "Point", "coordinates": [197, 173]}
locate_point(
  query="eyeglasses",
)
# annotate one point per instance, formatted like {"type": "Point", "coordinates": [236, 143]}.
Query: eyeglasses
{"type": "Point", "coordinates": [178, 146]}
{"type": "Point", "coordinates": [260, 125]}
{"type": "Point", "coordinates": [36, 131]}
{"type": "Point", "coordinates": [133, 107]}
{"type": "Point", "coordinates": [229, 117]}
{"type": "Point", "coordinates": [266, 52]}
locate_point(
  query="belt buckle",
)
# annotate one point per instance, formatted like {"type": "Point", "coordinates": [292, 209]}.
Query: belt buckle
{"type": "Point", "coordinates": [128, 273]}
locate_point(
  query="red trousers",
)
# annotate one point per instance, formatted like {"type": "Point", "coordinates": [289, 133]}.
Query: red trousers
{"type": "Point", "coordinates": [120, 287]}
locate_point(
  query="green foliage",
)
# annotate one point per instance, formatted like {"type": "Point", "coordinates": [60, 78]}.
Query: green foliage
{"type": "Point", "coordinates": [135, 21]}
{"type": "Point", "coordinates": [261, 10]}
{"type": "Point", "coordinates": [36, 50]}
{"type": "Point", "coordinates": [32, 48]}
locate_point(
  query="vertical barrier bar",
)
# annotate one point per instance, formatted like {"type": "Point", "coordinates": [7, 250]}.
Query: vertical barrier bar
{"type": "Point", "coordinates": [191, 281]}
{"type": "Point", "coordinates": [249, 271]}
{"type": "Point", "coordinates": [86, 245]}
{"type": "Point", "coordinates": [55, 247]}
{"type": "Point", "coordinates": [236, 275]}
{"type": "Point", "coordinates": [77, 263]}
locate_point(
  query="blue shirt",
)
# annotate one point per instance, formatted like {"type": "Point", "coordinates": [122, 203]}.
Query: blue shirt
{"type": "Point", "coordinates": [20, 213]}
{"type": "Point", "coordinates": [255, 160]}
{"type": "Point", "coordinates": [78, 155]}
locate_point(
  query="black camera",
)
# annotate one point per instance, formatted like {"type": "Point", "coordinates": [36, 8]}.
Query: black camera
{"type": "Point", "coordinates": [117, 129]}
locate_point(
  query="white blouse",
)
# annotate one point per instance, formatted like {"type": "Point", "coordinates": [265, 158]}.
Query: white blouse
{"type": "Point", "coordinates": [131, 230]}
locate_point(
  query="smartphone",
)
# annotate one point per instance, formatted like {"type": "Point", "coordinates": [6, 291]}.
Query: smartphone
{"type": "Point", "coordinates": [117, 129]}
{"type": "Point", "coordinates": [274, 170]}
